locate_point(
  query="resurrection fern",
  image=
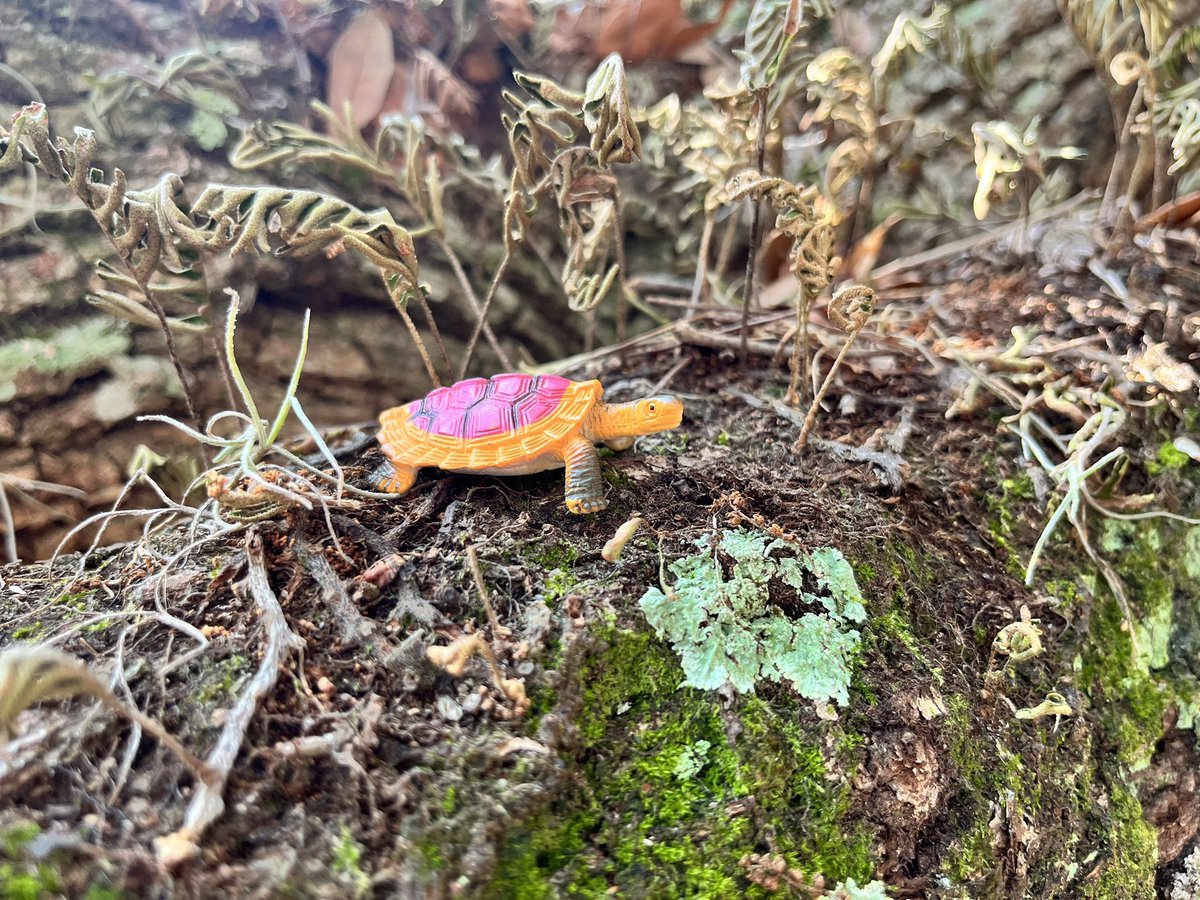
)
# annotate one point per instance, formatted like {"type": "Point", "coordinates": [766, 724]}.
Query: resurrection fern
{"type": "Point", "coordinates": [1137, 42]}
{"type": "Point", "coordinates": [1181, 109]}
{"type": "Point", "coordinates": [732, 629]}
{"type": "Point", "coordinates": [404, 158]}
{"type": "Point", "coordinates": [770, 30]}
{"type": "Point", "coordinates": [1002, 151]}
{"type": "Point", "coordinates": [153, 233]}
{"type": "Point", "coordinates": [1107, 27]}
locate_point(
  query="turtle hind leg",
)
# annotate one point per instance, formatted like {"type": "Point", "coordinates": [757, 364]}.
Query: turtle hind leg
{"type": "Point", "coordinates": [585, 486]}
{"type": "Point", "coordinates": [393, 479]}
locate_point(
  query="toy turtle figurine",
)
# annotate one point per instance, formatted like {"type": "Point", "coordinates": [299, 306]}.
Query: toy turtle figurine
{"type": "Point", "coordinates": [513, 425]}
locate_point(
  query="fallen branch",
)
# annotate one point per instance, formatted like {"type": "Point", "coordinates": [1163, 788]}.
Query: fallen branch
{"type": "Point", "coordinates": [208, 803]}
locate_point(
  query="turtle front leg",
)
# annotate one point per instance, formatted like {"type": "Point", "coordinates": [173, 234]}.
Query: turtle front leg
{"type": "Point", "coordinates": [393, 479]}
{"type": "Point", "coordinates": [585, 486]}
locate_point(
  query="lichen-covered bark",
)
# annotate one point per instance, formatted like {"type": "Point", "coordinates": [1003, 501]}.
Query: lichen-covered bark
{"type": "Point", "coordinates": [618, 777]}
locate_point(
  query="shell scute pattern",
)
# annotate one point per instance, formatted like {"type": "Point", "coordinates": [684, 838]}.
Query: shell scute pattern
{"type": "Point", "coordinates": [481, 407]}
{"type": "Point", "coordinates": [488, 417]}
{"type": "Point", "coordinates": [510, 387]}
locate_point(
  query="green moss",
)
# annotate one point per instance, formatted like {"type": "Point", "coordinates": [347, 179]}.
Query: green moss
{"type": "Point", "coordinates": [1128, 696]}
{"type": "Point", "coordinates": [963, 739]}
{"type": "Point", "coordinates": [1004, 508]}
{"type": "Point", "coordinates": [1129, 873]}
{"type": "Point", "coordinates": [21, 879]}
{"type": "Point", "coordinates": [1070, 598]}
{"type": "Point", "coordinates": [557, 562]}
{"type": "Point", "coordinates": [662, 756]}
{"type": "Point", "coordinates": [1168, 458]}
{"type": "Point", "coordinates": [219, 680]}
{"type": "Point", "coordinates": [83, 347]}
{"type": "Point", "coordinates": [15, 838]}
{"type": "Point", "coordinates": [971, 856]}
{"type": "Point", "coordinates": [77, 600]}
{"type": "Point", "coordinates": [988, 771]}
{"type": "Point", "coordinates": [894, 627]}
{"type": "Point", "coordinates": [557, 583]}
{"type": "Point", "coordinates": [624, 680]}
{"type": "Point", "coordinates": [347, 860]}
{"type": "Point", "coordinates": [561, 555]}
{"type": "Point", "coordinates": [450, 801]}
{"type": "Point", "coordinates": [617, 478]}
{"type": "Point", "coordinates": [29, 632]}
{"type": "Point", "coordinates": [432, 854]}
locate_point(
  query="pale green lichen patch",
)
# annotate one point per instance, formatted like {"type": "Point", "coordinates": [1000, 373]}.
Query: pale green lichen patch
{"type": "Point", "coordinates": [733, 629]}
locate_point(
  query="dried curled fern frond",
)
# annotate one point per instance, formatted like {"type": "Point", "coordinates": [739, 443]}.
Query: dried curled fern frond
{"type": "Point", "coordinates": [1002, 151]}
{"type": "Point", "coordinates": [1107, 27]}
{"type": "Point", "coordinates": [770, 30]}
{"type": "Point", "coordinates": [543, 136]}
{"type": "Point", "coordinates": [804, 215]}
{"type": "Point", "coordinates": [398, 158]}
{"type": "Point", "coordinates": [1178, 113]}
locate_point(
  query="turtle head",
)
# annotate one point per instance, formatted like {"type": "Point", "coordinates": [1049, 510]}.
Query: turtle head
{"type": "Point", "coordinates": [628, 420]}
{"type": "Point", "coordinates": [617, 424]}
{"type": "Point", "coordinates": [655, 414]}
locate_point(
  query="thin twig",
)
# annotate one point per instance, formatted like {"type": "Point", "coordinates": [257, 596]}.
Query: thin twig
{"type": "Point", "coordinates": [701, 283]}
{"type": "Point", "coordinates": [10, 528]}
{"type": "Point", "coordinates": [849, 309]}
{"type": "Point", "coordinates": [1122, 155]}
{"type": "Point", "coordinates": [430, 370]}
{"type": "Point", "coordinates": [760, 153]}
{"type": "Point", "coordinates": [435, 332]}
{"type": "Point", "coordinates": [493, 621]}
{"type": "Point", "coordinates": [622, 267]}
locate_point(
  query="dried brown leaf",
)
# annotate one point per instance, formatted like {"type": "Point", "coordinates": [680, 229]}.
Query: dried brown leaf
{"type": "Point", "coordinates": [361, 64]}
{"type": "Point", "coordinates": [1183, 212]}
{"type": "Point", "coordinates": [639, 30]}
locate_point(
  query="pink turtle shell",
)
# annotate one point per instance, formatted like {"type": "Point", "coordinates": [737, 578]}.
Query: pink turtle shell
{"type": "Point", "coordinates": [486, 407]}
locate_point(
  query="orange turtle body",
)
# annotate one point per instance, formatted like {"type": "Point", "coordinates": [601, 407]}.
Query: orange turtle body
{"type": "Point", "coordinates": [514, 424]}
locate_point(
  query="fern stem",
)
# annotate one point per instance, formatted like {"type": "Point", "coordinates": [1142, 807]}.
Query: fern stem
{"type": "Point", "coordinates": [483, 313]}
{"type": "Point", "coordinates": [469, 292]}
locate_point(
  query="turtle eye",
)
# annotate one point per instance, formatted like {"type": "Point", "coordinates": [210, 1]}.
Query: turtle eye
{"type": "Point", "coordinates": [653, 408]}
